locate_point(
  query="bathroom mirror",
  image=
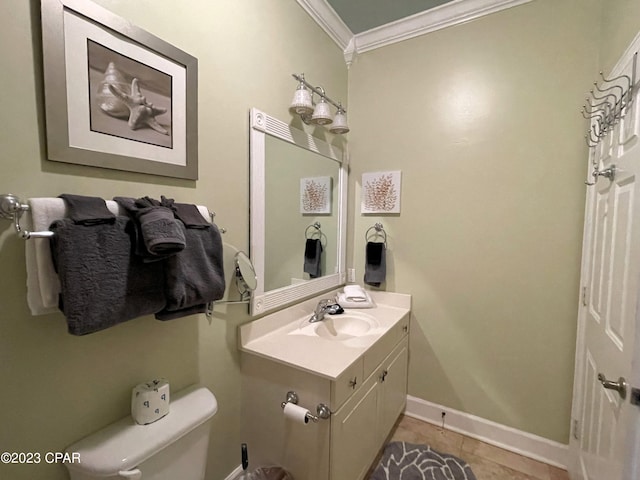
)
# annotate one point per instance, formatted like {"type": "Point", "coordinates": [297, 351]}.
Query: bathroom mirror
{"type": "Point", "coordinates": [298, 213]}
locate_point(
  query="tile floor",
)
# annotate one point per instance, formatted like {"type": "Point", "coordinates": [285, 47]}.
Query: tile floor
{"type": "Point", "coordinates": [486, 461]}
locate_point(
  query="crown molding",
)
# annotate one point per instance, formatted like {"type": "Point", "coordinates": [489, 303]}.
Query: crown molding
{"type": "Point", "coordinates": [447, 15]}
{"type": "Point", "coordinates": [325, 16]}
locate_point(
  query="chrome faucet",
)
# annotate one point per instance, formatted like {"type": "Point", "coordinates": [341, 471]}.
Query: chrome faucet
{"type": "Point", "coordinates": [321, 309]}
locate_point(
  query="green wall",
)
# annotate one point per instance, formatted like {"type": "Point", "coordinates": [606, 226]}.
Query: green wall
{"type": "Point", "coordinates": [483, 121]}
{"type": "Point", "coordinates": [481, 118]}
{"type": "Point", "coordinates": [57, 388]}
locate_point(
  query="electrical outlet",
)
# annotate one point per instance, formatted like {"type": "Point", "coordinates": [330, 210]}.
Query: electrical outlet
{"type": "Point", "coordinates": [351, 275]}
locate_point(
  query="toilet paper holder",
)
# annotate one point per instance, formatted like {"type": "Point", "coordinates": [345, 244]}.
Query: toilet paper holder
{"type": "Point", "coordinates": [322, 410]}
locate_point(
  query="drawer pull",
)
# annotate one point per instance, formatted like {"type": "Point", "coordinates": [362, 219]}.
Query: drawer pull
{"type": "Point", "coordinates": [353, 383]}
{"type": "Point", "coordinates": [383, 376]}
{"type": "Point", "coordinates": [405, 329]}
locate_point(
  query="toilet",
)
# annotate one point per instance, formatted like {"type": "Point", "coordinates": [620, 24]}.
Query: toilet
{"type": "Point", "coordinates": [173, 447]}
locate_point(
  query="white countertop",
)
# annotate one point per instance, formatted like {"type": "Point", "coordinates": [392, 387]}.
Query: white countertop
{"type": "Point", "coordinates": [284, 336]}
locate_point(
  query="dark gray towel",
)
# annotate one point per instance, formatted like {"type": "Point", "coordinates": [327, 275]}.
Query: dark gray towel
{"type": "Point", "coordinates": [185, 212]}
{"type": "Point", "coordinates": [189, 215]}
{"type": "Point", "coordinates": [159, 234]}
{"type": "Point", "coordinates": [102, 282]}
{"type": "Point", "coordinates": [375, 267]}
{"type": "Point", "coordinates": [313, 257]}
{"type": "Point", "coordinates": [195, 276]}
{"type": "Point", "coordinates": [87, 210]}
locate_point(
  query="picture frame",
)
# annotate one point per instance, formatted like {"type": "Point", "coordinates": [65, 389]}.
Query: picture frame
{"type": "Point", "coordinates": [116, 96]}
{"type": "Point", "coordinates": [380, 192]}
{"type": "Point", "coordinates": [315, 195]}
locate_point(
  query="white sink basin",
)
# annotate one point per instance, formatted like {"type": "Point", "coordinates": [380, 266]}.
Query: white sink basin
{"type": "Point", "coordinates": [345, 326]}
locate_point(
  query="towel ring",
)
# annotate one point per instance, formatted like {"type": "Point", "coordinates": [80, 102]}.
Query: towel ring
{"type": "Point", "coordinates": [379, 231]}
{"type": "Point", "coordinates": [317, 232]}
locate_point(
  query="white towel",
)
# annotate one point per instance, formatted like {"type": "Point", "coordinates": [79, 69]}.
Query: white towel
{"type": "Point", "coordinates": [355, 293]}
{"type": "Point", "coordinates": [43, 285]}
{"type": "Point", "coordinates": [354, 296]}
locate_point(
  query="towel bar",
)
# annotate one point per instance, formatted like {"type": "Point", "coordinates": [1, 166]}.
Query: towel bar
{"type": "Point", "coordinates": [11, 208]}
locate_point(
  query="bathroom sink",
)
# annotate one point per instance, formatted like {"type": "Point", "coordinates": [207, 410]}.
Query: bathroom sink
{"type": "Point", "coordinates": [345, 326]}
{"type": "Point", "coordinates": [330, 346]}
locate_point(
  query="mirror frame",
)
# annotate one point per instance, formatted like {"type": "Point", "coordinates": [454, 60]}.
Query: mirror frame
{"type": "Point", "coordinates": [261, 126]}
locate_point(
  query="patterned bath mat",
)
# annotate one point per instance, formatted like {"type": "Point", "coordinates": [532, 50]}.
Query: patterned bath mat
{"type": "Point", "coordinates": [407, 461]}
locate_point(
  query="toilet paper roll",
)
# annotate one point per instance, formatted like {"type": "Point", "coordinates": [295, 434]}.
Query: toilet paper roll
{"type": "Point", "coordinates": [150, 401]}
{"type": "Point", "coordinates": [296, 413]}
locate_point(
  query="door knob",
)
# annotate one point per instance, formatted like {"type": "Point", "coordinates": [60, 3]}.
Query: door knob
{"type": "Point", "coordinates": [620, 386]}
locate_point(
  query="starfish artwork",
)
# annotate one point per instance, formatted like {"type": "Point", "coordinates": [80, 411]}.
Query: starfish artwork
{"type": "Point", "coordinates": [141, 112]}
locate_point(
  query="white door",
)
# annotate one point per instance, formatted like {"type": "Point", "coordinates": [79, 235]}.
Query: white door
{"type": "Point", "coordinates": [604, 442]}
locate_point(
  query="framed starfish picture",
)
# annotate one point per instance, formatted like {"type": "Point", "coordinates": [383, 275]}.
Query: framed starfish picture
{"type": "Point", "coordinates": [116, 96]}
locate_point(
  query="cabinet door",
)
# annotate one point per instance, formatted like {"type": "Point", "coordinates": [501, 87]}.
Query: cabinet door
{"type": "Point", "coordinates": [354, 442]}
{"type": "Point", "coordinates": [393, 389]}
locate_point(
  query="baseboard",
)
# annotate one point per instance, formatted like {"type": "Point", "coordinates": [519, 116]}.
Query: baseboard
{"type": "Point", "coordinates": [235, 474]}
{"type": "Point", "coordinates": [517, 441]}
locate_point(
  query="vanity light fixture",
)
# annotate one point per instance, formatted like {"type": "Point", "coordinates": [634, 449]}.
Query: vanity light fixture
{"type": "Point", "coordinates": [339, 125]}
{"type": "Point", "coordinates": [302, 102]}
{"type": "Point", "coordinates": [317, 113]}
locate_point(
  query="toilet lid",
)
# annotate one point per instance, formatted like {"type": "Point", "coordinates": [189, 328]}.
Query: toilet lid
{"type": "Point", "coordinates": [124, 444]}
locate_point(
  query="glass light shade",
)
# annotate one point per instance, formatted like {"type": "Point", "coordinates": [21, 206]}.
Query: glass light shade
{"type": "Point", "coordinates": [301, 103]}
{"type": "Point", "coordinates": [339, 125]}
{"type": "Point", "coordinates": [322, 113]}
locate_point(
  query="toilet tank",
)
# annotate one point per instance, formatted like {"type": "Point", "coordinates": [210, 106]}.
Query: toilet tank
{"type": "Point", "coordinates": [174, 447]}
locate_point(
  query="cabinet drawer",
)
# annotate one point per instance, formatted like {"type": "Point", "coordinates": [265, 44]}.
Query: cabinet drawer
{"type": "Point", "coordinates": [379, 351]}
{"type": "Point", "coordinates": [346, 384]}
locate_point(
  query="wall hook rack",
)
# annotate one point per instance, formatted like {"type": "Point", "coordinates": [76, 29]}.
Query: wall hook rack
{"type": "Point", "coordinates": [608, 103]}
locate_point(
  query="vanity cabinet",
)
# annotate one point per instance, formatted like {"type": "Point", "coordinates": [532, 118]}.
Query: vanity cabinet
{"type": "Point", "coordinates": [365, 400]}
{"type": "Point", "coordinates": [360, 426]}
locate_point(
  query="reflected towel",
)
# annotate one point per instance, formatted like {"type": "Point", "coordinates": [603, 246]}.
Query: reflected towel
{"type": "Point", "coordinates": [313, 257]}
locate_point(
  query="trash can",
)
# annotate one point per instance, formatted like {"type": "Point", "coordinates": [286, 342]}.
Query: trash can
{"type": "Point", "coordinates": [268, 473]}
